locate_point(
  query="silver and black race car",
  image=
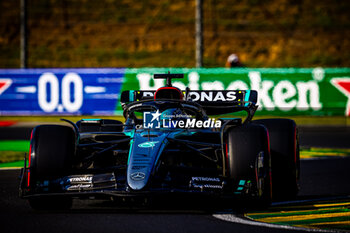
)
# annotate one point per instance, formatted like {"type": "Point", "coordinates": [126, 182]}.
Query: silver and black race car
{"type": "Point", "coordinates": [193, 143]}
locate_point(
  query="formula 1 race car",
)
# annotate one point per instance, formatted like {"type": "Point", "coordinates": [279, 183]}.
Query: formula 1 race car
{"type": "Point", "coordinates": [167, 145]}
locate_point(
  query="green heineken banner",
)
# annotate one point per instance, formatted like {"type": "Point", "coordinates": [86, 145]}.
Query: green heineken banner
{"type": "Point", "coordinates": [285, 91]}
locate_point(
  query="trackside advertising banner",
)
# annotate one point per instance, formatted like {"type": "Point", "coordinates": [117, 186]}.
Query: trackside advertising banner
{"type": "Point", "coordinates": [60, 91]}
{"type": "Point", "coordinates": [281, 91]}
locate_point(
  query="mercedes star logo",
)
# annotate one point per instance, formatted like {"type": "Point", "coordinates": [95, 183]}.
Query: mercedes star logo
{"type": "Point", "coordinates": [138, 176]}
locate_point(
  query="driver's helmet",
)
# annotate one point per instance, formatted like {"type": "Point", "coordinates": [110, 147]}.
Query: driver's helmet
{"type": "Point", "coordinates": [173, 93]}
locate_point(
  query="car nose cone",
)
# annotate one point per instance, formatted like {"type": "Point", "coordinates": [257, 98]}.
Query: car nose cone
{"type": "Point", "coordinates": [138, 176]}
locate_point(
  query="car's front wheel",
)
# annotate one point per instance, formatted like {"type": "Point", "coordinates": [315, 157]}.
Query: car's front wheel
{"type": "Point", "coordinates": [52, 151]}
{"type": "Point", "coordinates": [284, 146]}
{"type": "Point", "coordinates": [248, 160]}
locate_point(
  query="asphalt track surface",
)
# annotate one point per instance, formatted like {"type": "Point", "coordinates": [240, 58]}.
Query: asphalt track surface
{"type": "Point", "coordinates": [324, 178]}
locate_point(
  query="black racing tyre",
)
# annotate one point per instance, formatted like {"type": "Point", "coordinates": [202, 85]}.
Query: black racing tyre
{"type": "Point", "coordinates": [248, 158]}
{"type": "Point", "coordinates": [53, 148]}
{"type": "Point", "coordinates": [285, 158]}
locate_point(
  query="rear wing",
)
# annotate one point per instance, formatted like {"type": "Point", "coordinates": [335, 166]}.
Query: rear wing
{"type": "Point", "coordinates": [209, 100]}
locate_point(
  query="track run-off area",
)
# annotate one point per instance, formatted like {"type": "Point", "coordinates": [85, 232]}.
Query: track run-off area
{"type": "Point", "coordinates": [323, 203]}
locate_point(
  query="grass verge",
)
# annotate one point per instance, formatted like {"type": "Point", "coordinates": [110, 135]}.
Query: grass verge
{"type": "Point", "coordinates": [327, 215]}
{"type": "Point", "coordinates": [11, 156]}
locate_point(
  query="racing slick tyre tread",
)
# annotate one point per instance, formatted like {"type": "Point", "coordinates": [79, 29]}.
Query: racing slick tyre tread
{"type": "Point", "coordinates": [54, 148]}
{"type": "Point", "coordinates": [244, 145]}
{"type": "Point", "coordinates": [285, 158]}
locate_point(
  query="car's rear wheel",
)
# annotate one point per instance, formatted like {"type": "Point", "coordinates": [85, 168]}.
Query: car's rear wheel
{"type": "Point", "coordinates": [284, 146]}
{"type": "Point", "coordinates": [52, 151]}
{"type": "Point", "coordinates": [248, 160]}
